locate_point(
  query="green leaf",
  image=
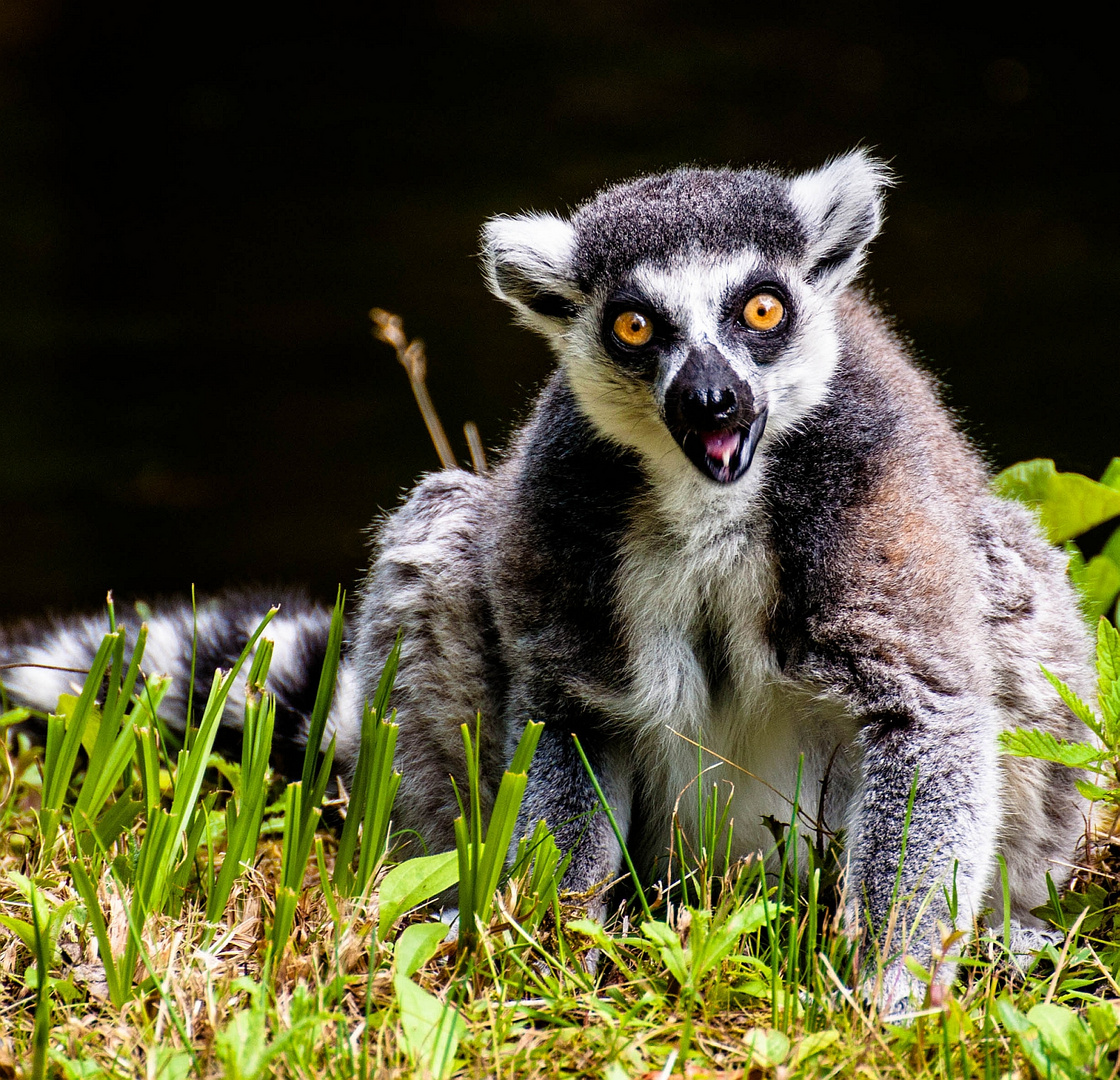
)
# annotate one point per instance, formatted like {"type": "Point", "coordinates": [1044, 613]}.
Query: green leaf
{"type": "Point", "coordinates": [1068, 503]}
{"type": "Point", "coordinates": [417, 944]}
{"type": "Point", "coordinates": [1026, 482]}
{"type": "Point", "coordinates": [1099, 584]}
{"type": "Point", "coordinates": [724, 938]}
{"type": "Point", "coordinates": [1103, 1019]}
{"type": "Point", "coordinates": [23, 930]}
{"type": "Point", "coordinates": [813, 1044]}
{"type": "Point", "coordinates": [1064, 1033]}
{"type": "Point", "coordinates": [668, 943]}
{"type": "Point", "coordinates": [431, 1029]}
{"type": "Point", "coordinates": [242, 1046]}
{"type": "Point", "coordinates": [1032, 742]}
{"type": "Point", "coordinates": [1075, 704]}
{"type": "Point", "coordinates": [766, 1047]}
{"type": "Point", "coordinates": [1111, 476]}
{"type": "Point", "coordinates": [412, 883]}
{"type": "Point", "coordinates": [1111, 548]}
{"type": "Point", "coordinates": [1096, 793]}
{"type": "Point", "coordinates": [1108, 668]}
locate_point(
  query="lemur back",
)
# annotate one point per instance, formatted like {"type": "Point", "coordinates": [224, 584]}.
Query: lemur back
{"type": "Point", "coordinates": [738, 518]}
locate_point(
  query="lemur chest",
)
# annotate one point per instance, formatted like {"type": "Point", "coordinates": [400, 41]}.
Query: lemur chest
{"type": "Point", "coordinates": [706, 698]}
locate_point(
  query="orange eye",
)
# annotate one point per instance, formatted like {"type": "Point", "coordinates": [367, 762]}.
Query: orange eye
{"type": "Point", "coordinates": [633, 328]}
{"type": "Point", "coordinates": [763, 311]}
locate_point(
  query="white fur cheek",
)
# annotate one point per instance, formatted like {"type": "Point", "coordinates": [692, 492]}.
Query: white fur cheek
{"type": "Point", "coordinates": [620, 409]}
{"type": "Point", "coordinates": [800, 380]}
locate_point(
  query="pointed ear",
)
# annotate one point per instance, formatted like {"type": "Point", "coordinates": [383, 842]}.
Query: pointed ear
{"type": "Point", "coordinates": [528, 264]}
{"type": "Point", "coordinates": [841, 207]}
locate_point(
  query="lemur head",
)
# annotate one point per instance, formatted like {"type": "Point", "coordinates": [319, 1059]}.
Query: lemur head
{"type": "Point", "coordinates": [694, 310]}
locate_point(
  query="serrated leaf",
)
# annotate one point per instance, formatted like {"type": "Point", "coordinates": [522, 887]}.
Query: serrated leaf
{"type": "Point", "coordinates": [1108, 668]}
{"type": "Point", "coordinates": [1033, 743]}
{"type": "Point", "coordinates": [1096, 793]}
{"type": "Point", "coordinates": [1074, 703]}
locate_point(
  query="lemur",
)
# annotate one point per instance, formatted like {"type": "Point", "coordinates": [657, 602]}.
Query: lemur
{"type": "Point", "coordinates": [738, 516]}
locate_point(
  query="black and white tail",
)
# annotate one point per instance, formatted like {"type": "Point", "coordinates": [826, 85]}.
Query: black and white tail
{"type": "Point", "coordinates": [41, 661]}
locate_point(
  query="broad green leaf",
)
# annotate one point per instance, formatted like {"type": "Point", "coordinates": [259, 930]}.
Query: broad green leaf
{"type": "Point", "coordinates": [1103, 1019]}
{"type": "Point", "coordinates": [1031, 742]}
{"type": "Point", "coordinates": [413, 882]}
{"type": "Point", "coordinates": [23, 930]}
{"type": "Point", "coordinates": [1068, 503]}
{"type": "Point", "coordinates": [1111, 476]}
{"type": "Point", "coordinates": [766, 1047]}
{"type": "Point", "coordinates": [589, 928]}
{"type": "Point", "coordinates": [1026, 482]}
{"type": "Point", "coordinates": [743, 920]}
{"type": "Point", "coordinates": [1028, 1037]}
{"type": "Point", "coordinates": [431, 1028]}
{"type": "Point", "coordinates": [1099, 584]}
{"type": "Point", "coordinates": [243, 1047]}
{"type": "Point", "coordinates": [417, 944]}
{"type": "Point", "coordinates": [813, 1044]}
{"type": "Point", "coordinates": [1111, 549]}
{"type": "Point", "coordinates": [1064, 1033]}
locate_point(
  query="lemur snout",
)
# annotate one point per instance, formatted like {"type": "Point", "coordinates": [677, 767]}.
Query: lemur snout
{"type": "Point", "coordinates": [711, 412]}
{"type": "Point", "coordinates": [708, 408]}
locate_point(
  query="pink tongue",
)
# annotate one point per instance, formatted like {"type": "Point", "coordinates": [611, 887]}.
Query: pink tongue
{"type": "Point", "coordinates": [721, 445]}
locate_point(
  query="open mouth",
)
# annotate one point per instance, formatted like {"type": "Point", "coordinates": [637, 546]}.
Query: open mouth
{"type": "Point", "coordinates": [723, 455]}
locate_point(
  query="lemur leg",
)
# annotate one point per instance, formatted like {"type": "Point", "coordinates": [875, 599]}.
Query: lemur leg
{"type": "Point", "coordinates": [561, 794]}
{"type": "Point", "coordinates": [931, 860]}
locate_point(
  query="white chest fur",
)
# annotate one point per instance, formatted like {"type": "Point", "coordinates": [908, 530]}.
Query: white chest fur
{"type": "Point", "coordinates": [696, 592]}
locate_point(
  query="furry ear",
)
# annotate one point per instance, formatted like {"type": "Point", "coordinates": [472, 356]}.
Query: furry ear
{"type": "Point", "coordinates": [528, 264]}
{"type": "Point", "coordinates": [841, 207]}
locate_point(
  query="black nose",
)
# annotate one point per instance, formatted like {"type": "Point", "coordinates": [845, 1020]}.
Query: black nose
{"type": "Point", "coordinates": [706, 409]}
{"type": "Point", "coordinates": [707, 394]}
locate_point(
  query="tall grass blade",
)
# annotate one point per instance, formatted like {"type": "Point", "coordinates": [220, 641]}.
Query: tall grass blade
{"type": "Point", "coordinates": [63, 740]}
{"type": "Point", "coordinates": [606, 806]}
{"type": "Point", "coordinates": [323, 698]}
{"type": "Point", "coordinates": [42, 1029]}
{"type": "Point", "coordinates": [374, 787]}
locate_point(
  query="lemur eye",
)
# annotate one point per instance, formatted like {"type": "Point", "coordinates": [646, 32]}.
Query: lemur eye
{"type": "Point", "coordinates": [633, 328]}
{"type": "Point", "coordinates": [763, 311]}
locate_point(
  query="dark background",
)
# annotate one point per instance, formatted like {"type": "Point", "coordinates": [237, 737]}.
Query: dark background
{"type": "Point", "coordinates": [198, 207]}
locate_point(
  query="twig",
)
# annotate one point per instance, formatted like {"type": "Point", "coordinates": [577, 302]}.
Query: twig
{"type": "Point", "coordinates": [474, 443]}
{"type": "Point", "coordinates": [390, 329]}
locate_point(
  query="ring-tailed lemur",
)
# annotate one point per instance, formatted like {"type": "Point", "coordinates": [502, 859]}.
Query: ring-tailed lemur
{"type": "Point", "coordinates": [738, 516]}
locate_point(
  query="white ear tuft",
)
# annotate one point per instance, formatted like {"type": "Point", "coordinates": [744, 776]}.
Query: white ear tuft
{"type": "Point", "coordinates": [841, 207]}
{"type": "Point", "coordinates": [528, 264]}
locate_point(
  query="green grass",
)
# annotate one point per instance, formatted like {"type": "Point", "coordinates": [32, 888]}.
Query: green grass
{"type": "Point", "coordinates": [167, 914]}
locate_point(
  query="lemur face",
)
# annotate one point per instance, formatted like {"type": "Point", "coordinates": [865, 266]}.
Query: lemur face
{"type": "Point", "coordinates": [693, 310]}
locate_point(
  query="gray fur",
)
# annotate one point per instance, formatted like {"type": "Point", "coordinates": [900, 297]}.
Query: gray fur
{"type": "Point", "coordinates": [854, 597]}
